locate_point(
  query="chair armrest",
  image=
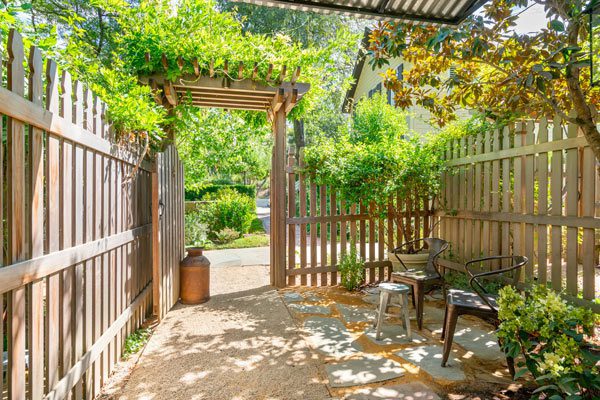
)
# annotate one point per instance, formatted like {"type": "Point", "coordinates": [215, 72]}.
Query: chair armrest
{"type": "Point", "coordinates": [518, 262]}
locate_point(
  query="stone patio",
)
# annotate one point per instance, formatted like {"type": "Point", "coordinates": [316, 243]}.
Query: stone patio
{"type": "Point", "coordinates": [358, 367]}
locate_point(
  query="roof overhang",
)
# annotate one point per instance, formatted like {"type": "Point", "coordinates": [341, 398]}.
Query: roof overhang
{"type": "Point", "coordinates": [447, 12]}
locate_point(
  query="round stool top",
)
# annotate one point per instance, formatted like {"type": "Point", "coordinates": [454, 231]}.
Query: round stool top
{"type": "Point", "coordinates": [393, 287]}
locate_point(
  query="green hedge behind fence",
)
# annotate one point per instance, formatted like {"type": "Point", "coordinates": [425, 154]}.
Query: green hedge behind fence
{"type": "Point", "coordinates": [197, 192]}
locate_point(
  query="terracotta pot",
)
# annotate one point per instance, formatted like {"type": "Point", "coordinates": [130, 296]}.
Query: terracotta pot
{"type": "Point", "coordinates": [416, 261]}
{"type": "Point", "coordinates": [194, 273]}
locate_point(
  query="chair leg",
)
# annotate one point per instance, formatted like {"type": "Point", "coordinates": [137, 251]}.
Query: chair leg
{"type": "Point", "coordinates": [383, 302]}
{"type": "Point", "coordinates": [420, 295]}
{"type": "Point", "coordinates": [412, 293]}
{"type": "Point", "coordinates": [452, 317]}
{"type": "Point", "coordinates": [406, 317]}
{"type": "Point", "coordinates": [444, 324]}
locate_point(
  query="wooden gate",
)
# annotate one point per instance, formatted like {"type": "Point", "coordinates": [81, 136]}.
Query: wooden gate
{"type": "Point", "coordinates": [167, 229]}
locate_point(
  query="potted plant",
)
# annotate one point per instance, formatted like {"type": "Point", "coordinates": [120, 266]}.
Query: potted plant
{"type": "Point", "coordinates": [194, 269]}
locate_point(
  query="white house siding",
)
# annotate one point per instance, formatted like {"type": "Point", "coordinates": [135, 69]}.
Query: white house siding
{"type": "Point", "coordinates": [418, 117]}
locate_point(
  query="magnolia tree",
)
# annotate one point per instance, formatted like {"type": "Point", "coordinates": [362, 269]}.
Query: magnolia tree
{"type": "Point", "coordinates": [495, 70]}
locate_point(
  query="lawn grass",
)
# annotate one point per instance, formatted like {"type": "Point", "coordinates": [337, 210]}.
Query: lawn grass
{"type": "Point", "coordinates": [249, 240]}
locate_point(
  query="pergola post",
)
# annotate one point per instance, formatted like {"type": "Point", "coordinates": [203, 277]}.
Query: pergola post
{"type": "Point", "coordinates": [278, 239]}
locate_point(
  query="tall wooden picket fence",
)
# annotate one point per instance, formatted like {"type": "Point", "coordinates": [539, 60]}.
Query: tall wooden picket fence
{"type": "Point", "coordinates": [321, 228]}
{"type": "Point", "coordinates": [530, 189]}
{"type": "Point", "coordinates": [76, 248]}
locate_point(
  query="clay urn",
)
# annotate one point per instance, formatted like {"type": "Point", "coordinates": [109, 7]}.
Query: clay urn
{"type": "Point", "coordinates": [195, 277]}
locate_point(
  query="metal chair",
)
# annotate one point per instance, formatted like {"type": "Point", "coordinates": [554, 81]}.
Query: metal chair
{"type": "Point", "coordinates": [419, 279]}
{"type": "Point", "coordinates": [478, 302]}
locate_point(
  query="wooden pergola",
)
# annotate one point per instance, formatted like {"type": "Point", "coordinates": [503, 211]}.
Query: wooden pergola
{"type": "Point", "coordinates": [276, 95]}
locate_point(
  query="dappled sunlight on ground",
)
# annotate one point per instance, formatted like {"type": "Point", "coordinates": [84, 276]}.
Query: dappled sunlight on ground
{"type": "Point", "coordinates": [342, 338]}
{"type": "Point", "coordinates": [240, 345]}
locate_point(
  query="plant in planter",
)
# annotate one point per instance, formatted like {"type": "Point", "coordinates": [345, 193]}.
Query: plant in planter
{"type": "Point", "coordinates": [551, 336]}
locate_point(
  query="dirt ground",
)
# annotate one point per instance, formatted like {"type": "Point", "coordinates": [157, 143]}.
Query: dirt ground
{"type": "Point", "coordinates": [242, 344]}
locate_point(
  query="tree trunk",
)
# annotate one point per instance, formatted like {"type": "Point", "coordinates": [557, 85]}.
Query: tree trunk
{"type": "Point", "coordinates": [299, 136]}
{"type": "Point", "coordinates": [585, 117]}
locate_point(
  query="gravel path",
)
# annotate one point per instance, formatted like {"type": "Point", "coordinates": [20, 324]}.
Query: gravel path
{"type": "Point", "coordinates": [242, 344]}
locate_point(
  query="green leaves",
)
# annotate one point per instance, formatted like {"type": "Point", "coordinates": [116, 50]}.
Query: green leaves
{"type": "Point", "coordinates": [551, 335]}
{"type": "Point", "coordinates": [556, 25]}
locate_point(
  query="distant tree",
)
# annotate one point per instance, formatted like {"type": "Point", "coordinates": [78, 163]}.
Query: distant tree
{"type": "Point", "coordinates": [495, 69]}
{"type": "Point", "coordinates": [311, 29]}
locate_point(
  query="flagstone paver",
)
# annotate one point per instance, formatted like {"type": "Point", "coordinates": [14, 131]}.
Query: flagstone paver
{"type": "Point", "coordinates": [429, 358]}
{"type": "Point", "coordinates": [352, 314]}
{"type": "Point", "coordinates": [407, 391]}
{"type": "Point", "coordinates": [312, 297]}
{"type": "Point", "coordinates": [291, 297]}
{"type": "Point", "coordinates": [330, 337]}
{"type": "Point", "coordinates": [309, 309]}
{"type": "Point", "coordinates": [393, 334]}
{"type": "Point", "coordinates": [363, 371]}
{"type": "Point", "coordinates": [482, 343]}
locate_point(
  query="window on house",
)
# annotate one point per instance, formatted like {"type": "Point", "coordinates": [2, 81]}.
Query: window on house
{"type": "Point", "coordinates": [400, 71]}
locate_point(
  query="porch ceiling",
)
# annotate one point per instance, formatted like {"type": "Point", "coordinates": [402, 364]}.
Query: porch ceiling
{"type": "Point", "coordinates": [448, 12]}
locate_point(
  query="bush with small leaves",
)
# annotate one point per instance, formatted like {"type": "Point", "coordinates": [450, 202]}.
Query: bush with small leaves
{"type": "Point", "coordinates": [551, 334]}
{"type": "Point", "coordinates": [351, 270]}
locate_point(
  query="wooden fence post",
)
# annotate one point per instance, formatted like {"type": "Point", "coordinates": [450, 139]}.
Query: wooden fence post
{"type": "Point", "coordinates": [278, 234]}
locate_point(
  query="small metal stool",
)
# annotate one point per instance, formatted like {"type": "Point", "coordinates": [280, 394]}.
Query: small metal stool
{"type": "Point", "coordinates": [387, 291]}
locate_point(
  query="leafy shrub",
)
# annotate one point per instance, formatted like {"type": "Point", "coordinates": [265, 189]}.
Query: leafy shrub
{"type": "Point", "coordinates": [351, 270]}
{"type": "Point", "coordinates": [136, 341]}
{"type": "Point", "coordinates": [196, 192]}
{"type": "Point", "coordinates": [256, 226]}
{"type": "Point", "coordinates": [225, 235]}
{"type": "Point", "coordinates": [196, 230]}
{"type": "Point", "coordinates": [229, 209]}
{"type": "Point", "coordinates": [550, 334]}
{"type": "Point", "coordinates": [460, 280]}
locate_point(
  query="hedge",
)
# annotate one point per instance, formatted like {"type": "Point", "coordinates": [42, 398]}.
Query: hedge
{"type": "Point", "coordinates": [196, 192]}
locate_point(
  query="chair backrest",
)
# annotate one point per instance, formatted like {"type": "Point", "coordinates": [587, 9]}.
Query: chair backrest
{"type": "Point", "coordinates": [516, 263]}
{"type": "Point", "coordinates": [436, 247]}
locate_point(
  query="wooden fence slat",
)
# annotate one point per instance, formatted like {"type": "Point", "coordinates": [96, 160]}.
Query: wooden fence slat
{"type": "Point", "coordinates": [333, 240]}
{"type": "Point", "coordinates": [67, 280]}
{"type": "Point", "coordinates": [291, 213]}
{"type": "Point", "coordinates": [469, 202]}
{"type": "Point", "coordinates": [323, 231]}
{"type": "Point", "coordinates": [462, 192]}
{"type": "Point", "coordinates": [52, 231]}
{"type": "Point", "coordinates": [313, 233]}
{"type": "Point", "coordinates": [571, 179]}
{"type": "Point", "coordinates": [1, 240]}
{"type": "Point", "coordinates": [529, 199]}
{"type": "Point", "coordinates": [477, 199]}
{"type": "Point", "coordinates": [302, 195]}
{"type": "Point", "coordinates": [517, 191]}
{"type": "Point", "coordinates": [495, 197]}
{"type": "Point", "coordinates": [36, 234]}
{"type": "Point", "coordinates": [542, 204]}
{"type": "Point", "coordinates": [15, 144]}
{"type": "Point", "coordinates": [505, 246]}
{"type": "Point", "coordinates": [588, 251]}
{"type": "Point", "coordinates": [556, 186]}
{"type": "Point", "coordinates": [78, 315]}
{"type": "Point", "coordinates": [486, 200]}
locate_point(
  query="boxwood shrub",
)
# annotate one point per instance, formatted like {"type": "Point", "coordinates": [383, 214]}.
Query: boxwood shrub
{"type": "Point", "coordinates": [198, 191]}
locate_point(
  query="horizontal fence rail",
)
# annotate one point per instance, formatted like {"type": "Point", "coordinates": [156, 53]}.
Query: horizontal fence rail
{"type": "Point", "coordinates": [76, 255]}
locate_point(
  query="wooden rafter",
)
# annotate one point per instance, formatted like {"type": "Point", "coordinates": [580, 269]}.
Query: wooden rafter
{"type": "Point", "coordinates": [230, 90]}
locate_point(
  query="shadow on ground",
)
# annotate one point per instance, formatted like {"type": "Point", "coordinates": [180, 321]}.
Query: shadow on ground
{"type": "Point", "coordinates": [240, 345]}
